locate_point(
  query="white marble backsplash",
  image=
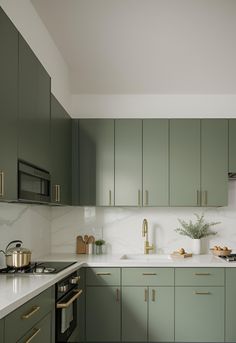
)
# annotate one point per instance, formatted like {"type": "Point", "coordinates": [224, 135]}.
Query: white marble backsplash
{"type": "Point", "coordinates": [121, 227]}
{"type": "Point", "coordinates": [29, 223]}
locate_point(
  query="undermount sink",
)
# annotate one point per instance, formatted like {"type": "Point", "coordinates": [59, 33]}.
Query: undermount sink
{"type": "Point", "coordinates": [142, 257]}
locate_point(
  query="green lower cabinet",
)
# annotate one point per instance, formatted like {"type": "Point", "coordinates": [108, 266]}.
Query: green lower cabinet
{"type": "Point", "coordinates": [103, 314]}
{"type": "Point", "coordinates": [134, 314]}
{"type": "Point", "coordinates": [2, 330]}
{"type": "Point", "coordinates": [230, 305]}
{"type": "Point", "coordinates": [199, 314]}
{"type": "Point", "coordinates": [161, 314]}
{"type": "Point", "coordinates": [40, 333]}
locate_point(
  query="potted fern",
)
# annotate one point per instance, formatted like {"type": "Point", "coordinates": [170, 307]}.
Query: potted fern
{"type": "Point", "coordinates": [196, 230]}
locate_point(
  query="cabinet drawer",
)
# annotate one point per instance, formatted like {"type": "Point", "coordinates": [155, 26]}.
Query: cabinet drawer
{"type": "Point", "coordinates": [40, 333]}
{"type": "Point", "coordinates": [199, 276]}
{"type": "Point", "coordinates": [25, 317]}
{"type": "Point", "coordinates": [102, 276]}
{"type": "Point", "coordinates": [148, 276]}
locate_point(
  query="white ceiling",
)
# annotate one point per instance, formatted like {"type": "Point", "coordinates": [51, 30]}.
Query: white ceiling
{"type": "Point", "coordinates": [145, 46]}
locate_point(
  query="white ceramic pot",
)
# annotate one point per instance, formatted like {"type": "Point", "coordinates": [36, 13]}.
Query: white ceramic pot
{"type": "Point", "coordinates": [196, 246]}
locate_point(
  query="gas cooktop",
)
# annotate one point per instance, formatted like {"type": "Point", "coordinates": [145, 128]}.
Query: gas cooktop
{"type": "Point", "coordinates": [229, 258]}
{"type": "Point", "coordinates": [38, 268]}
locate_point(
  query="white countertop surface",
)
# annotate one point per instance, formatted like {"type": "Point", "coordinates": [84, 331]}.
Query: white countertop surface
{"type": "Point", "coordinates": [15, 290]}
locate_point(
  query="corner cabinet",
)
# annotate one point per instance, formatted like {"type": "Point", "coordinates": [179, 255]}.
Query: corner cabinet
{"type": "Point", "coordinates": [230, 306]}
{"type": "Point", "coordinates": [8, 108]}
{"type": "Point", "coordinates": [34, 109]}
{"type": "Point", "coordinates": [128, 162]}
{"type": "Point", "coordinates": [60, 154]}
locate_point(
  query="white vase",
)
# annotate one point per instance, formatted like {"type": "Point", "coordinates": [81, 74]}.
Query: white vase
{"type": "Point", "coordinates": [196, 246]}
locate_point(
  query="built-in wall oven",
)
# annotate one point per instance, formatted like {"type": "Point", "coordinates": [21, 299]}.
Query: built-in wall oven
{"type": "Point", "coordinates": [68, 294]}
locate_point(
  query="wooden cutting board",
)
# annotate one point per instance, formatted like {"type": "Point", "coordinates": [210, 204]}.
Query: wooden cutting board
{"type": "Point", "coordinates": [80, 245]}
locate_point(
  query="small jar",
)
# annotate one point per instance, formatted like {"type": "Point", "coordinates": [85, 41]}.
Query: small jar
{"type": "Point", "coordinates": [98, 249]}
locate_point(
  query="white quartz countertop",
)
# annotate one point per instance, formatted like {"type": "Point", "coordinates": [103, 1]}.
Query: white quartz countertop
{"type": "Point", "coordinates": [15, 290]}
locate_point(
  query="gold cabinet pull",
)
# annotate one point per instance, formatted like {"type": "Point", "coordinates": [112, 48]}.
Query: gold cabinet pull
{"type": "Point", "coordinates": [198, 198]}
{"type": "Point", "coordinates": [139, 197]}
{"type": "Point", "coordinates": [204, 202]}
{"type": "Point", "coordinates": [109, 197]}
{"type": "Point", "coordinates": [100, 273]}
{"type": "Point", "coordinates": [57, 193]}
{"type": "Point", "coordinates": [153, 295]}
{"type": "Point", "coordinates": [202, 274]}
{"type": "Point", "coordinates": [31, 313]}
{"type": "Point", "coordinates": [117, 295]}
{"type": "Point", "coordinates": [202, 293]}
{"type": "Point", "coordinates": [72, 299]}
{"type": "Point", "coordinates": [146, 198]}
{"type": "Point", "coordinates": [145, 294]}
{"type": "Point", "coordinates": [2, 188]}
{"type": "Point", "coordinates": [36, 332]}
{"type": "Point", "coordinates": [149, 274]}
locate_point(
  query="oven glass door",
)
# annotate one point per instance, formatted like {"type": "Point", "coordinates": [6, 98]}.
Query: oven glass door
{"type": "Point", "coordinates": [66, 315]}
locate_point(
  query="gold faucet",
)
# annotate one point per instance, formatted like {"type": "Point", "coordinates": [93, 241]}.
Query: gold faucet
{"type": "Point", "coordinates": [147, 247]}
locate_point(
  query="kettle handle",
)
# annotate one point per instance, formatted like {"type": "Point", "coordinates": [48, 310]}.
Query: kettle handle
{"type": "Point", "coordinates": [16, 241]}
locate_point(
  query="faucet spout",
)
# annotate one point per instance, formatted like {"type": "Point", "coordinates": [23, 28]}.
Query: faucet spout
{"type": "Point", "coordinates": [147, 246]}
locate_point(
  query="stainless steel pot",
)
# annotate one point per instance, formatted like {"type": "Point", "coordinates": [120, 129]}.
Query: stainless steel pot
{"type": "Point", "coordinates": [17, 256]}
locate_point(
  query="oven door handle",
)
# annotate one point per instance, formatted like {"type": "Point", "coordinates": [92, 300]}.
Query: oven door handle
{"type": "Point", "coordinates": [69, 302]}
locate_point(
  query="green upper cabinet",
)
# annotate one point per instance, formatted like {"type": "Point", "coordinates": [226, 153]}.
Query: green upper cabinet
{"type": "Point", "coordinates": [34, 109]}
{"type": "Point", "coordinates": [60, 153]}
{"type": "Point", "coordinates": [155, 162]}
{"type": "Point", "coordinates": [8, 108]}
{"type": "Point", "coordinates": [184, 162]}
{"type": "Point", "coordinates": [232, 146]}
{"type": "Point", "coordinates": [128, 162]}
{"type": "Point", "coordinates": [214, 162]}
{"type": "Point", "coordinates": [230, 305]}
{"type": "Point", "coordinates": [96, 162]}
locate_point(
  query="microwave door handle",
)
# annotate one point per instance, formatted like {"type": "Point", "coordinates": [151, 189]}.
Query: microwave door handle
{"type": "Point", "coordinates": [72, 299]}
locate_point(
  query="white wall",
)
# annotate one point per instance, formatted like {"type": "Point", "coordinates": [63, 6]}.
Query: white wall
{"type": "Point", "coordinates": [25, 18]}
{"type": "Point", "coordinates": [29, 223]}
{"type": "Point", "coordinates": [121, 227]}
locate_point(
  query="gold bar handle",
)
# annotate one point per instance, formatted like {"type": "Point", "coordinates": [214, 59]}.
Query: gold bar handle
{"type": "Point", "coordinates": [69, 302]}
{"type": "Point", "coordinates": [109, 197]}
{"type": "Point", "coordinates": [99, 274]}
{"type": "Point", "coordinates": [204, 198]}
{"type": "Point", "coordinates": [146, 198]}
{"type": "Point", "coordinates": [139, 197]}
{"type": "Point", "coordinates": [117, 295]}
{"type": "Point", "coordinates": [202, 274]}
{"type": "Point", "coordinates": [202, 293]}
{"type": "Point", "coordinates": [153, 295]}
{"type": "Point", "coordinates": [59, 193]}
{"type": "Point", "coordinates": [145, 294]}
{"type": "Point", "coordinates": [33, 311]}
{"type": "Point", "coordinates": [36, 332]}
{"type": "Point", "coordinates": [146, 274]}
{"type": "Point", "coordinates": [198, 198]}
{"type": "Point", "coordinates": [2, 190]}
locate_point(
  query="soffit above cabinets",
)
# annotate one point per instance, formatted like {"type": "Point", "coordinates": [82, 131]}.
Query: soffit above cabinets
{"type": "Point", "coordinates": [145, 46]}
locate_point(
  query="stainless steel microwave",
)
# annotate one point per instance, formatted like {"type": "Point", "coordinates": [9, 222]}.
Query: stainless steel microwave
{"type": "Point", "coordinates": [33, 183]}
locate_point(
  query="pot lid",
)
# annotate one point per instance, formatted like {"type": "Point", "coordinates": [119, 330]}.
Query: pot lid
{"type": "Point", "coordinates": [18, 250]}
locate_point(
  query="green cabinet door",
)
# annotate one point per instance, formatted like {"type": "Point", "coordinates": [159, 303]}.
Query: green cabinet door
{"type": "Point", "coordinates": [161, 314]}
{"type": "Point", "coordinates": [60, 153]}
{"type": "Point", "coordinates": [128, 162]}
{"type": "Point", "coordinates": [2, 330]}
{"type": "Point", "coordinates": [155, 162]}
{"type": "Point", "coordinates": [230, 306]}
{"type": "Point", "coordinates": [96, 162]}
{"type": "Point", "coordinates": [40, 333]}
{"type": "Point", "coordinates": [214, 162]}
{"type": "Point", "coordinates": [184, 162]}
{"type": "Point", "coordinates": [232, 146]}
{"type": "Point", "coordinates": [103, 314]}
{"type": "Point", "coordinates": [34, 109]}
{"type": "Point", "coordinates": [199, 314]}
{"type": "Point", "coordinates": [8, 108]}
{"type": "Point", "coordinates": [134, 314]}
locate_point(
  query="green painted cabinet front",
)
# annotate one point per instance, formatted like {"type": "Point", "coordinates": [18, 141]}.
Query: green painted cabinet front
{"type": "Point", "coordinates": [134, 314]}
{"type": "Point", "coordinates": [40, 333]}
{"type": "Point", "coordinates": [230, 306]}
{"type": "Point", "coordinates": [60, 154]}
{"type": "Point", "coordinates": [155, 162]}
{"type": "Point", "coordinates": [103, 306]}
{"type": "Point", "coordinates": [232, 146]}
{"type": "Point", "coordinates": [2, 330]}
{"type": "Point", "coordinates": [96, 162]}
{"type": "Point", "coordinates": [185, 162]}
{"type": "Point", "coordinates": [214, 162]}
{"type": "Point", "coordinates": [161, 314]}
{"type": "Point", "coordinates": [8, 108]}
{"type": "Point", "coordinates": [34, 109]}
{"type": "Point", "coordinates": [128, 162]}
{"type": "Point", "coordinates": [199, 314]}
